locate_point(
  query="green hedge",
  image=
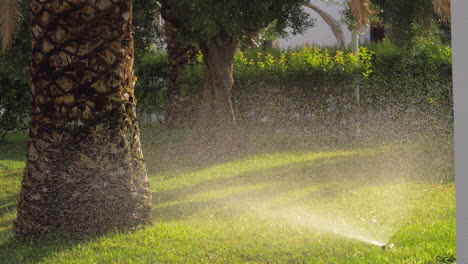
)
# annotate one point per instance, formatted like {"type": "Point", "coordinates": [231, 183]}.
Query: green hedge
{"type": "Point", "coordinates": [420, 76]}
{"type": "Point", "coordinates": [14, 104]}
{"type": "Point", "coordinates": [309, 80]}
{"type": "Point", "coordinates": [151, 83]}
{"type": "Point", "coordinates": [315, 81]}
{"type": "Point", "coordinates": [257, 67]}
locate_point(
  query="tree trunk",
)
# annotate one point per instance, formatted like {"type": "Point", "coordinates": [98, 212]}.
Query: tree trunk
{"type": "Point", "coordinates": [84, 173]}
{"type": "Point", "coordinates": [178, 56]}
{"type": "Point", "coordinates": [216, 124]}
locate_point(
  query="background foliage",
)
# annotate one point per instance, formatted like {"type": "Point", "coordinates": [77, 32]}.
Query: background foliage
{"type": "Point", "coordinates": [269, 83]}
{"type": "Point", "coordinates": [274, 84]}
{"type": "Point", "coordinates": [14, 89]}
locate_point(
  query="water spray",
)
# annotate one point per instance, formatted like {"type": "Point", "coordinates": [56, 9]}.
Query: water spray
{"type": "Point", "coordinates": [383, 246]}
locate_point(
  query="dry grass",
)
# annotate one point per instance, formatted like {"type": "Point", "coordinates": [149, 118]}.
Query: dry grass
{"type": "Point", "coordinates": [361, 10]}
{"type": "Point", "coordinates": [442, 8]}
{"type": "Point", "coordinates": [10, 16]}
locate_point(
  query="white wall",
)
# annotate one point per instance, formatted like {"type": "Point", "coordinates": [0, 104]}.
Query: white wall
{"type": "Point", "coordinates": [321, 33]}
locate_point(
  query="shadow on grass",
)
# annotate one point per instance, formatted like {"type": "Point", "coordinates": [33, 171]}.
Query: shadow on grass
{"type": "Point", "coordinates": [164, 152]}
{"type": "Point", "coordinates": [318, 181]}
{"type": "Point", "coordinates": [252, 177]}
{"type": "Point", "coordinates": [15, 251]}
{"type": "Point", "coordinates": [14, 146]}
{"type": "Point", "coordinates": [8, 205]}
{"type": "Point", "coordinates": [238, 204]}
{"type": "Point", "coordinates": [315, 171]}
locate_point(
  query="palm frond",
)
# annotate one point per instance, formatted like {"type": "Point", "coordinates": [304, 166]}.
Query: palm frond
{"type": "Point", "coordinates": [442, 8]}
{"type": "Point", "coordinates": [361, 10]}
{"type": "Point", "coordinates": [10, 17]}
{"type": "Point", "coordinates": [332, 23]}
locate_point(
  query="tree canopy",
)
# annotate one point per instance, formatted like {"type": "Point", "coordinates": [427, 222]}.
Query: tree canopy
{"type": "Point", "coordinates": [200, 20]}
{"type": "Point", "coordinates": [404, 19]}
{"type": "Point", "coordinates": [216, 26]}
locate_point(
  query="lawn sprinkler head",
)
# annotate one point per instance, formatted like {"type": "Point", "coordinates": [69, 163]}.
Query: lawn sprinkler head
{"type": "Point", "coordinates": [385, 247]}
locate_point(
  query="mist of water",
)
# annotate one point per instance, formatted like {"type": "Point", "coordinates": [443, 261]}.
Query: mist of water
{"type": "Point", "coordinates": [377, 217]}
{"type": "Point", "coordinates": [339, 225]}
{"type": "Point", "coordinates": [391, 172]}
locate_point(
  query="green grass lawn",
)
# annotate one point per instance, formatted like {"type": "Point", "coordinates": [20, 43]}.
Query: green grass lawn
{"type": "Point", "coordinates": [279, 202]}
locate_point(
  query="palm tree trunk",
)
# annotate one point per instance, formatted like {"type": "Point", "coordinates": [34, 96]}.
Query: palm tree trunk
{"type": "Point", "coordinates": [84, 171]}
{"type": "Point", "coordinates": [178, 56]}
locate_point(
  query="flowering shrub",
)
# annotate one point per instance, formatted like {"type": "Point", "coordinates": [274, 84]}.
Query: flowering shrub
{"type": "Point", "coordinates": [308, 60]}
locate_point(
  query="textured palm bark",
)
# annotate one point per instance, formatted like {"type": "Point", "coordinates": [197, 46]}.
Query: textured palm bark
{"type": "Point", "coordinates": [216, 124]}
{"type": "Point", "coordinates": [178, 56]}
{"type": "Point", "coordinates": [84, 173]}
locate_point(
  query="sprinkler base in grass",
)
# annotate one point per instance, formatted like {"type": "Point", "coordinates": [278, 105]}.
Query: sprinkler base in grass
{"type": "Point", "coordinates": [385, 247]}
